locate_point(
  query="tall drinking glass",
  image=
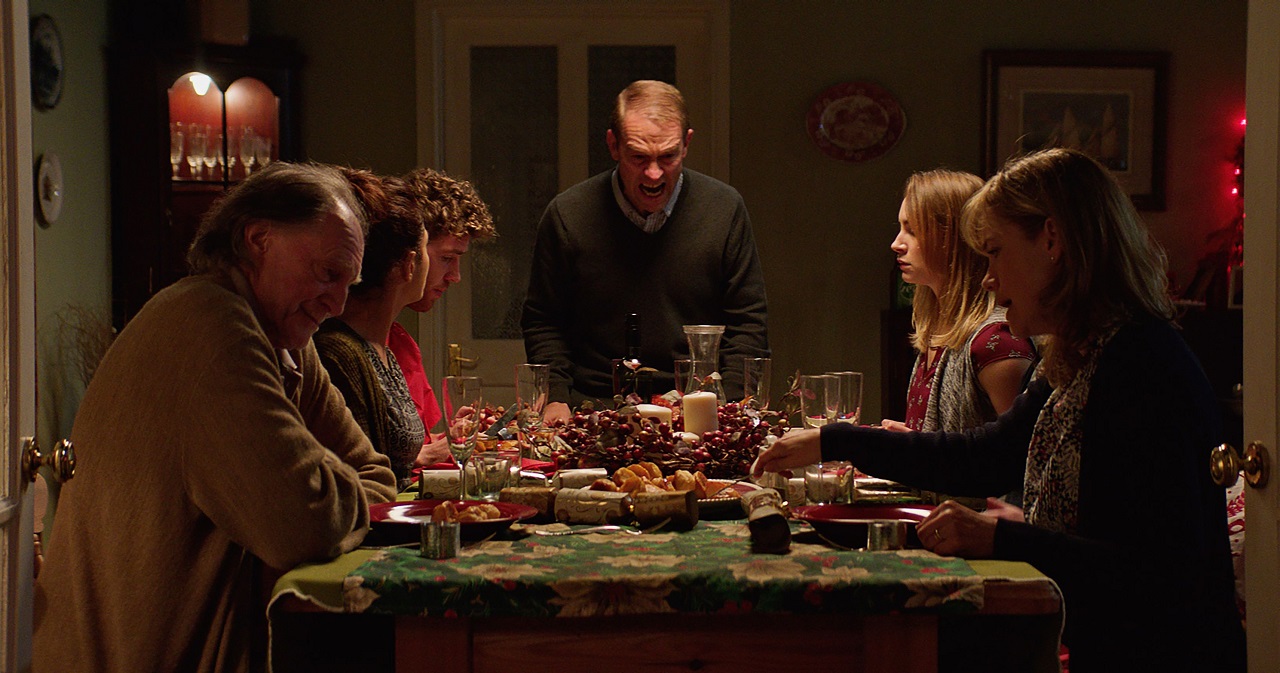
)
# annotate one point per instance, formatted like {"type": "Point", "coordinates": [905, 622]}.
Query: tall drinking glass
{"type": "Point", "coordinates": [532, 389]}
{"type": "Point", "coordinates": [850, 410]}
{"type": "Point", "coordinates": [462, 404]}
{"type": "Point", "coordinates": [682, 369]}
{"type": "Point", "coordinates": [756, 374]}
{"type": "Point", "coordinates": [197, 143]}
{"type": "Point", "coordinates": [177, 146]}
{"type": "Point", "coordinates": [819, 399]}
{"type": "Point", "coordinates": [248, 140]}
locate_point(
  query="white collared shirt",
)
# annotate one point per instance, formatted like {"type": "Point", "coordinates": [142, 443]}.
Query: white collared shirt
{"type": "Point", "coordinates": [655, 220]}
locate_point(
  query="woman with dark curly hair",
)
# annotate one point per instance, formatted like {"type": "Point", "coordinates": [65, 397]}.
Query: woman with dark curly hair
{"type": "Point", "coordinates": [353, 345]}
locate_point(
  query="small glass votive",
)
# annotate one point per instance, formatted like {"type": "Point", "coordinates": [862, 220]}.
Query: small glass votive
{"type": "Point", "coordinates": [829, 482]}
{"type": "Point", "coordinates": [440, 539]}
{"type": "Point", "coordinates": [886, 534]}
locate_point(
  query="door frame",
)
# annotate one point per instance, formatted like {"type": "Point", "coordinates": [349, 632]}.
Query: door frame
{"type": "Point", "coordinates": [1261, 317]}
{"type": "Point", "coordinates": [17, 343]}
{"type": "Point", "coordinates": [434, 17]}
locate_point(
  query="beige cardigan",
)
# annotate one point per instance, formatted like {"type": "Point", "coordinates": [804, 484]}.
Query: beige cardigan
{"type": "Point", "coordinates": [199, 452]}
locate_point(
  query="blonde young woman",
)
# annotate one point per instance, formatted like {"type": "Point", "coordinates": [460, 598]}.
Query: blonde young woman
{"type": "Point", "coordinates": [1144, 564]}
{"type": "Point", "coordinates": [969, 367]}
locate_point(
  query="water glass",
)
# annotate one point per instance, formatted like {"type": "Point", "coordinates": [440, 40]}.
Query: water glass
{"type": "Point", "coordinates": [682, 368]}
{"type": "Point", "coordinates": [819, 399]}
{"type": "Point", "coordinates": [532, 389]}
{"type": "Point", "coordinates": [463, 403]}
{"type": "Point", "coordinates": [756, 375]}
{"type": "Point", "coordinates": [492, 471]}
{"type": "Point", "coordinates": [850, 409]}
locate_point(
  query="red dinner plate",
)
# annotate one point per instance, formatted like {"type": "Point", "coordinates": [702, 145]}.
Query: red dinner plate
{"type": "Point", "coordinates": [846, 525]}
{"type": "Point", "coordinates": [399, 522]}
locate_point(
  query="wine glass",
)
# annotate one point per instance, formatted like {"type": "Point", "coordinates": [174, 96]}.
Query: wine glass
{"type": "Point", "coordinates": [196, 145]}
{"type": "Point", "coordinates": [462, 405]}
{"type": "Point", "coordinates": [819, 399]}
{"type": "Point", "coordinates": [755, 382]}
{"type": "Point", "coordinates": [532, 389]}
{"type": "Point", "coordinates": [247, 142]}
{"type": "Point", "coordinates": [177, 143]}
{"type": "Point", "coordinates": [850, 410]}
{"type": "Point", "coordinates": [233, 154]}
{"type": "Point", "coordinates": [262, 151]}
{"type": "Point", "coordinates": [213, 152]}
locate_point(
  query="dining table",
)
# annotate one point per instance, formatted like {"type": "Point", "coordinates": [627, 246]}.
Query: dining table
{"type": "Point", "coordinates": [665, 600]}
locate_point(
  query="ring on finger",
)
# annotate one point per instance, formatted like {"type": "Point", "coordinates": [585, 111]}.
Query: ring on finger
{"type": "Point", "coordinates": [937, 535]}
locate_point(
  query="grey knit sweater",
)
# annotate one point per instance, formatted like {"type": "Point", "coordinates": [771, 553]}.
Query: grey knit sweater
{"type": "Point", "coordinates": [592, 266]}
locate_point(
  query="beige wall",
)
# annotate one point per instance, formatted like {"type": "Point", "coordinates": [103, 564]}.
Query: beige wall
{"type": "Point", "coordinates": [73, 255]}
{"type": "Point", "coordinates": [820, 223]}
{"type": "Point", "coordinates": [823, 223]}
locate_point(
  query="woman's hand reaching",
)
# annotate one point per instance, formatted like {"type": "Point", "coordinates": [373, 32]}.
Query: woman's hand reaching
{"type": "Point", "coordinates": [797, 448]}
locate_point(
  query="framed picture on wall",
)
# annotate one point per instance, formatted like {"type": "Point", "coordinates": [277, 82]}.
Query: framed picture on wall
{"type": "Point", "coordinates": [1110, 105]}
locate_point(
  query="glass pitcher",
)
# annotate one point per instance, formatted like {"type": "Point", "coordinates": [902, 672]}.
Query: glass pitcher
{"type": "Point", "coordinates": [704, 354]}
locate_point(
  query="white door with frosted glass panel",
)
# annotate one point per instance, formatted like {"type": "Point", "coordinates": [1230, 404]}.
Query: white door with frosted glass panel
{"type": "Point", "coordinates": [1261, 319]}
{"type": "Point", "coordinates": [17, 338]}
{"type": "Point", "coordinates": [515, 96]}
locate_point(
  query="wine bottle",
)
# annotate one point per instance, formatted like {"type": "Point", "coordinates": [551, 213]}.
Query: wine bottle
{"type": "Point", "coordinates": [630, 376]}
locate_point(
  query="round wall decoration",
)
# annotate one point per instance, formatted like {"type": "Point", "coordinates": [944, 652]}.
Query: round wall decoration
{"type": "Point", "coordinates": [46, 62]}
{"type": "Point", "coordinates": [855, 121]}
{"type": "Point", "coordinates": [49, 188]}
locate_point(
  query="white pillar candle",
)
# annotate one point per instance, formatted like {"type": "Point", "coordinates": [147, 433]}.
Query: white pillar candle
{"type": "Point", "coordinates": [700, 412]}
{"type": "Point", "coordinates": [655, 411]}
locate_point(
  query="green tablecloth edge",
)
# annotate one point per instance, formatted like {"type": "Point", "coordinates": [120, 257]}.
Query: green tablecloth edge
{"type": "Point", "coordinates": [314, 582]}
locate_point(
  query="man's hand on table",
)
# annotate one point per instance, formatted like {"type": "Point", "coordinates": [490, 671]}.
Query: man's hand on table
{"type": "Point", "coordinates": [955, 530]}
{"type": "Point", "coordinates": [556, 411]}
{"type": "Point", "coordinates": [797, 448]}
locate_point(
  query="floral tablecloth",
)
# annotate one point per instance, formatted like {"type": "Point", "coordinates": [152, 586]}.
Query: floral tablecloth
{"type": "Point", "coordinates": [706, 570]}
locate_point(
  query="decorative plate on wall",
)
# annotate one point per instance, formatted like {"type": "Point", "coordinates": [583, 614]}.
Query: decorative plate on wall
{"type": "Point", "coordinates": [46, 62]}
{"type": "Point", "coordinates": [49, 188]}
{"type": "Point", "coordinates": [855, 121]}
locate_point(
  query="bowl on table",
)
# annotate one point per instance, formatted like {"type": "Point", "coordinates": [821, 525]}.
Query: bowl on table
{"type": "Point", "coordinates": [401, 522]}
{"type": "Point", "coordinates": [846, 525]}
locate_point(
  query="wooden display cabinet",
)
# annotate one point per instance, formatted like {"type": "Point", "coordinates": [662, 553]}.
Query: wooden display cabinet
{"type": "Point", "coordinates": [185, 124]}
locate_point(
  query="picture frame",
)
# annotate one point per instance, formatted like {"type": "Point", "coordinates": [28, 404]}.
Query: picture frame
{"type": "Point", "coordinates": [1235, 287]}
{"type": "Point", "coordinates": [1111, 105]}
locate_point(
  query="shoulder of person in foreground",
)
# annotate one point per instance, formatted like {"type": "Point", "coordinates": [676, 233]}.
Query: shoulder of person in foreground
{"type": "Point", "coordinates": [254, 465]}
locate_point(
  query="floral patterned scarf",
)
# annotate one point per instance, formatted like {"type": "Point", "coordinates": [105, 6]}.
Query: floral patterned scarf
{"type": "Point", "coordinates": [1052, 485]}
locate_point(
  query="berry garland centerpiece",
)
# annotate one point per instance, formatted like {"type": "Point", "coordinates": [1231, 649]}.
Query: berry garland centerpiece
{"type": "Point", "coordinates": [613, 438]}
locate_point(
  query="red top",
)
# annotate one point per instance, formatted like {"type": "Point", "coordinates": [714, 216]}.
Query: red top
{"type": "Point", "coordinates": [409, 356]}
{"type": "Point", "coordinates": [994, 342]}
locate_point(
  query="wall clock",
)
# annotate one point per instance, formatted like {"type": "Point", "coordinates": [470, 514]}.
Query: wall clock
{"type": "Point", "coordinates": [46, 62]}
{"type": "Point", "coordinates": [855, 121]}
